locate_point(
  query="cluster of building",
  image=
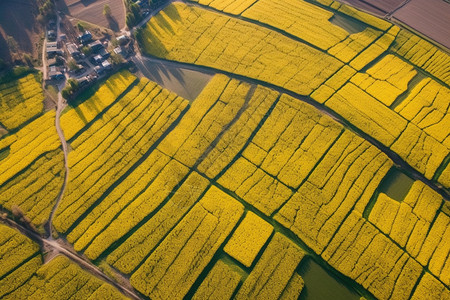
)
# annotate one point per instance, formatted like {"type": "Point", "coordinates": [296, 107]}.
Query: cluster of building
{"type": "Point", "coordinates": [91, 56]}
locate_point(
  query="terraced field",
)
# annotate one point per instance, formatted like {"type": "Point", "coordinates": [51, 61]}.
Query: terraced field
{"type": "Point", "coordinates": [281, 159]}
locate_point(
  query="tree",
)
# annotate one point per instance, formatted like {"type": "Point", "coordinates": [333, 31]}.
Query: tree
{"type": "Point", "coordinates": [130, 20]}
{"type": "Point", "coordinates": [80, 27]}
{"type": "Point", "coordinates": [107, 11]}
{"type": "Point", "coordinates": [66, 92]}
{"type": "Point", "coordinates": [86, 50]}
{"type": "Point", "coordinates": [72, 64]}
{"type": "Point", "coordinates": [136, 10]}
{"type": "Point", "coordinates": [12, 44]}
{"type": "Point", "coordinates": [28, 59]}
{"type": "Point", "coordinates": [116, 59]}
{"type": "Point", "coordinates": [73, 84]}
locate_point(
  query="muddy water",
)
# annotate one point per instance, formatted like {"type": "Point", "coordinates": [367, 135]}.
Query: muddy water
{"type": "Point", "coordinates": [321, 285]}
{"type": "Point", "coordinates": [396, 184]}
{"type": "Point", "coordinates": [182, 81]}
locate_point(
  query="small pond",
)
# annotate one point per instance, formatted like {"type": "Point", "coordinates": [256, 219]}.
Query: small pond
{"type": "Point", "coordinates": [396, 184]}
{"type": "Point", "coordinates": [321, 285]}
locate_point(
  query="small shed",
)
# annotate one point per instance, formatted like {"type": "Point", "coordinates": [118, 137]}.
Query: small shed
{"type": "Point", "coordinates": [106, 65]}
{"type": "Point", "coordinates": [73, 50]}
{"type": "Point", "coordinates": [98, 59]}
{"type": "Point", "coordinates": [96, 46]}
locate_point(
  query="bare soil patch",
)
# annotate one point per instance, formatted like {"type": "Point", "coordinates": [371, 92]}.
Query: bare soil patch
{"type": "Point", "coordinates": [92, 12]}
{"type": "Point", "coordinates": [386, 6]}
{"type": "Point", "coordinates": [18, 20]}
{"type": "Point", "coordinates": [429, 17]}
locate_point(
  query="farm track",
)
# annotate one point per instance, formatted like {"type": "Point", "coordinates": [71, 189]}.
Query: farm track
{"type": "Point", "coordinates": [56, 247]}
{"type": "Point", "coordinates": [402, 164]}
{"type": "Point", "coordinates": [59, 109]}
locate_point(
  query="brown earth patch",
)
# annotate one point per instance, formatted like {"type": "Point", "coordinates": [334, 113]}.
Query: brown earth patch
{"type": "Point", "coordinates": [18, 20]}
{"type": "Point", "coordinates": [92, 12]}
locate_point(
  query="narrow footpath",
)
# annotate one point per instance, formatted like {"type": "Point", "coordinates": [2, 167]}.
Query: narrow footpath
{"type": "Point", "coordinates": [59, 109]}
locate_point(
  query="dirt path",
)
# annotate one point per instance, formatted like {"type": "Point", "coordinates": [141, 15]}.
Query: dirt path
{"type": "Point", "coordinates": [44, 61]}
{"type": "Point", "coordinates": [59, 109]}
{"type": "Point", "coordinates": [55, 247]}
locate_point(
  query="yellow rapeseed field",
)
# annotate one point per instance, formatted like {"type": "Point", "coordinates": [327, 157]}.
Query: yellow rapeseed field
{"type": "Point", "coordinates": [210, 39]}
{"type": "Point", "coordinates": [20, 100]}
{"type": "Point", "coordinates": [284, 154]}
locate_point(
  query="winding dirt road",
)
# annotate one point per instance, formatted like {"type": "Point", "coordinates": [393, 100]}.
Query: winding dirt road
{"type": "Point", "coordinates": [59, 109]}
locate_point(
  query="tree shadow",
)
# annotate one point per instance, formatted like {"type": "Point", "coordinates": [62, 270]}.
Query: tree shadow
{"type": "Point", "coordinates": [113, 24]}
{"type": "Point", "coordinates": [62, 7]}
{"type": "Point", "coordinates": [18, 21]}
{"type": "Point", "coordinates": [87, 2]}
{"type": "Point", "coordinates": [5, 55]}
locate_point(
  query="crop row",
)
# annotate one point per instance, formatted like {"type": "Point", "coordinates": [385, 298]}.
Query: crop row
{"type": "Point", "coordinates": [273, 276]}
{"type": "Point", "coordinates": [419, 149]}
{"type": "Point", "coordinates": [363, 253]}
{"type": "Point", "coordinates": [214, 40]}
{"type": "Point", "coordinates": [20, 100]}
{"type": "Point", "coordinates": [418, 225]}
{"type": "Point", "coordinates": [113, 144]}
{"type": "Point", "coordinates": [62, 279]}
{"type": "Point", "coordinates": [344, 180]}
{"type": "Point", "coordinates": [424, 55]}
{"type": "Point", "coordinates": [23, 276]}
{"type": "Point", "coordinates": [32, 172]}
{"type": "Point", "coordinates": [202, 124]}
{"type": "Point", "coordinates": [75, 119]}
{"type": "Point", "coordinates": [132, 252]}
{"type": "Point", "coordinates": [220, 283]}
{"type": "Point", "coordinates": [19, 259]}
{"type": "Point", "coordinates": [405, 244]}
{"type": "Point", "coordinates": [299, 18]}
{"type": "Point", "coordinates": [194, 140]}
{"type": "Point", "coordinates": [15, 249]}
{"type": "Point", "coordinates": [248, 239]}
{"type": "Point", "coordinates": [173, 267]}
{"type": "Point", "coordinates": [256, 106]}
{"type": "Point", "coordinates": [291, 141]}
{"type": "Point", "coordinates": [35, 189]}
{"type": "Point", "coordinates": [28, 144]}
{"type": "Point", "coordinates": [427, 106]}
{"type": "Point", "coordinates": [363, 99]}
{"type": "Point", "coordinates": [386, 80]}
{"type": "Point", "coordinates": [228, 6]}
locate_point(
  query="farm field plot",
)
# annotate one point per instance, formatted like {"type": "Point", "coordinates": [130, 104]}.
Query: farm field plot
{"type": "Point", "coordinates": [236, 46]}
{"type": "Point", "coordinates": [427, 17]}
{"type": "Point", "coordinates": [283, 164]}
{"type": "Point", "coordinates": [281, 161]}
{"type": "Point", "coordinates": [364, 91]}
{"type": "Point", "coordinates": [18, 20]}
{"type": "Point", "coordinates": [24, 276]}
{"type": "Point", "coordinates": [20, 100]}
{"type": "Point", "coordinates": [385, 6]}
{"type": "Point", "coordinates": [92, 12]}
{"type": "Point", "coordinates": [32, 169]}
